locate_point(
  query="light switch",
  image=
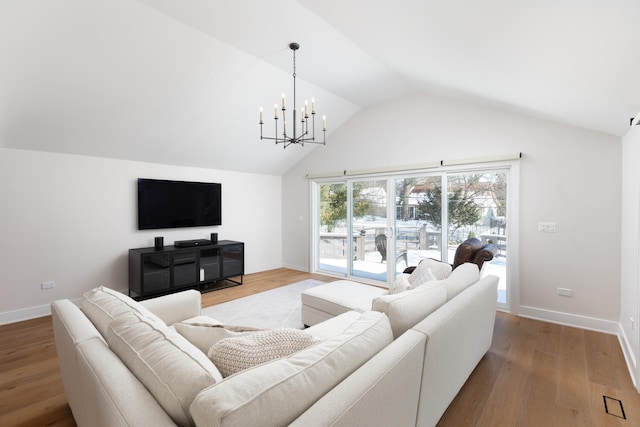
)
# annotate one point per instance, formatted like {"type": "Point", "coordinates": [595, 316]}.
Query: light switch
{"type": "Point", "coordinates": [547, 227]}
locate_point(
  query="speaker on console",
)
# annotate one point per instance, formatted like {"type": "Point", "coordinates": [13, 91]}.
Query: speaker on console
{"type": "Point", "coordinates": [159, 242]}
{"type": "Point", "coordinates": [214, 238]}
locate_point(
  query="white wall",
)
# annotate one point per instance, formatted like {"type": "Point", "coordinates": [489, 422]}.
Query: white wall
{"type": "Point", "coordinates": [630, 226]}
{"type": "Point", "coordinates": [568, 175]}
{"type": "Point", "coordinates": [71, 219]}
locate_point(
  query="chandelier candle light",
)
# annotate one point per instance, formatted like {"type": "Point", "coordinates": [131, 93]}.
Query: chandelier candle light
{"type": "Point", "coordinates": [304, 136]}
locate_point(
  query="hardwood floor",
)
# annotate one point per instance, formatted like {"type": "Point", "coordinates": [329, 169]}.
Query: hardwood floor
{"type": "Point", "coordinates": [542, 374]}
{"type": "Point", "coordinates": [31, 392]}
{"type": "Point", "coordinates": [535, 374]}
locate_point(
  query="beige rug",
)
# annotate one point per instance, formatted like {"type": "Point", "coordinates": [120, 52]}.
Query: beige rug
{"type": "Point", "coordinates": [276, 308]}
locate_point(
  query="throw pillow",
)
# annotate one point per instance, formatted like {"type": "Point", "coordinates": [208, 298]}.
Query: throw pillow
{"type": "Point", "coordinates": [420, 275]}
{"type": "Point", "coordinates": [439, 269]}
{"type": "Point", "coordinates": [232, 355]}
{"type": "Point", "coordinates": [203, 333]}
{"type": "Point", "coordinates": [401, 284]}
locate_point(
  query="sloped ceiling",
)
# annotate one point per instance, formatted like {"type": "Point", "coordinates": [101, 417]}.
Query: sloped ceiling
{"type": "Point", "coordinates": [180, 81]}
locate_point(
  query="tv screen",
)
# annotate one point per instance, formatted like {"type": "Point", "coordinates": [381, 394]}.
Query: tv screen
{"type": "Point", "coordinates": [172, 204]}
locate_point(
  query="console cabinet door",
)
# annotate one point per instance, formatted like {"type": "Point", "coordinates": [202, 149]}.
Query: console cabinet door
{"type": "Point", "coordinates": [185, 268]}
{"type": "Point", "coordinates": [210, 268]}
{"type": "Point", "coordinates": [156, 273]}
{"type": "Point", "coordinates": [233, 260]}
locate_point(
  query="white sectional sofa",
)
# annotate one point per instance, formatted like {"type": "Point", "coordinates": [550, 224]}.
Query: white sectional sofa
{"type": "Point", "coordinates": [124, 365]}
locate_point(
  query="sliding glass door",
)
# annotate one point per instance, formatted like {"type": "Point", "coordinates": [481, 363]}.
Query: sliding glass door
{"type": "Point", "coordinates": [333, 247]}
{"type": "Point", "coordinates": [355, 236]}
{"type": "Point", "coordinates": [371, 222]}
{"type": "Point", "coordinates": [418, 217]}
{"type": "Point", "coordinates": [371, 228]}
{"type": "Point", "coordinates": [477, 207]}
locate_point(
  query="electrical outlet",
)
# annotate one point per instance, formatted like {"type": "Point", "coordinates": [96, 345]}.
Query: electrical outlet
{"type": "Point", "coordinates": [48, 285]}
{"type": "Point", "coordinates": [565, 292]}
{"type": "Point", "coordinates": [633, 322]}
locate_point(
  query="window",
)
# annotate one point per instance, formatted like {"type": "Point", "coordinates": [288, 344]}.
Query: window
{"type": "Point", "coordinates": [371, 228]}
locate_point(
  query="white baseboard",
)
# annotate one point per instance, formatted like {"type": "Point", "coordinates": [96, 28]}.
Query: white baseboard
{"type": "Point", "coordinates": [25, 314]}
{"type": "Point", "coordinates": [629, 357]}
{"type": "Point", "coordinates": [575, 320]}
{"type": "Point", "coordinates": [296, 267]}
{"type": "Point", "coordinates": [28, 313]}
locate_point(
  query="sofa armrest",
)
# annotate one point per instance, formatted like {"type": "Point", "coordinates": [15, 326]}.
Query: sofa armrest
{"type": "Point", "coordinates": [458, 334]}
{"type": "Point", "coordinates": [175, 307]}
{"type": "Point", "coordinates": [382, 392]}
{"type": "Point", "coordinates": [100, 389]}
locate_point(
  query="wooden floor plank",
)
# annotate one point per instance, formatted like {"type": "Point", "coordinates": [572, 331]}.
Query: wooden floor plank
{"type": "Point", "coordinates": [573, 390]}
{"type": "Point", "coordinates": [53, 411]}
{"type": "Point", "coordinates": [569, 417]}
{"type": "Point", "coordinates": [548, 338]}
{"type": "Point", "coordinates": [598, 351]}
{"type": "Point", "coordinates": [472, 398]}
{"type": "Point", "coordinates": [503, 405]}
{"type": "Point", "coordinates": [539, 399]}
{"type": "Point", "coordinates": [513, 385]}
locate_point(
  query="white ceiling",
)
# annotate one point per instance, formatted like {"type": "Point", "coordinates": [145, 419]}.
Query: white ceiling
{"type": "Point", "coordinates": [180, 81]}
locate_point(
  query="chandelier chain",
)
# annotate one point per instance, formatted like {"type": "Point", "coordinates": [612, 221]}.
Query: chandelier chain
{"type": "Point", "coordinates": [294, 64]}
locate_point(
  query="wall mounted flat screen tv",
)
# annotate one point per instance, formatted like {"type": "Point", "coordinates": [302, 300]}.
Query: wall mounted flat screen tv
{"type": "Point", "coordinates": [172, 204]}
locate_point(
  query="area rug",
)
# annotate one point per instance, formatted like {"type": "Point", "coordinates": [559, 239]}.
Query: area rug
{"type": "Point", "coordinates": [275, 308]}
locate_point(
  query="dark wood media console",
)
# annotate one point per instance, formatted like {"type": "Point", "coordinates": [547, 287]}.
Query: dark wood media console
{"type": "Point", "coordinates": [154, 272]}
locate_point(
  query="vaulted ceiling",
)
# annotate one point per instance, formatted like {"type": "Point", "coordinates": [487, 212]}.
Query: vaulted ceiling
{"type": "Point", "coordinates": [180, 81]}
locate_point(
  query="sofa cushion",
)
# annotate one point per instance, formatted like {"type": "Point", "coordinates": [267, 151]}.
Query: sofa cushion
{"type": "Point", "coordinates": [460, 278]}
{"type": "Point", "coordinates": [170, 367]}
{"type": "Point", "coordinates": [204, 331]}
{"type": "Point", "coordinates": [276, 393]}
{"type": "Point", "coordinates": [101, 305]}
{"type": "Point", "coordinates": [333, 326]}
{"type": "Point", "coordinates": [236, 354]}
{"type": "Point", "coordinates": [341, 296]}
{"type": "Point", "coordinates": [408, 308]}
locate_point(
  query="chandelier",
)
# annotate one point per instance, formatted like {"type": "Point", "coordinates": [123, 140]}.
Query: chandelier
{"type": "Point", "coordinates": [293, 137]}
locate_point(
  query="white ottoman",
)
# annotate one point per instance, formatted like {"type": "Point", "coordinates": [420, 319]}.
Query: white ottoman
{"type": "Point", "coordinates": [329, 300]}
